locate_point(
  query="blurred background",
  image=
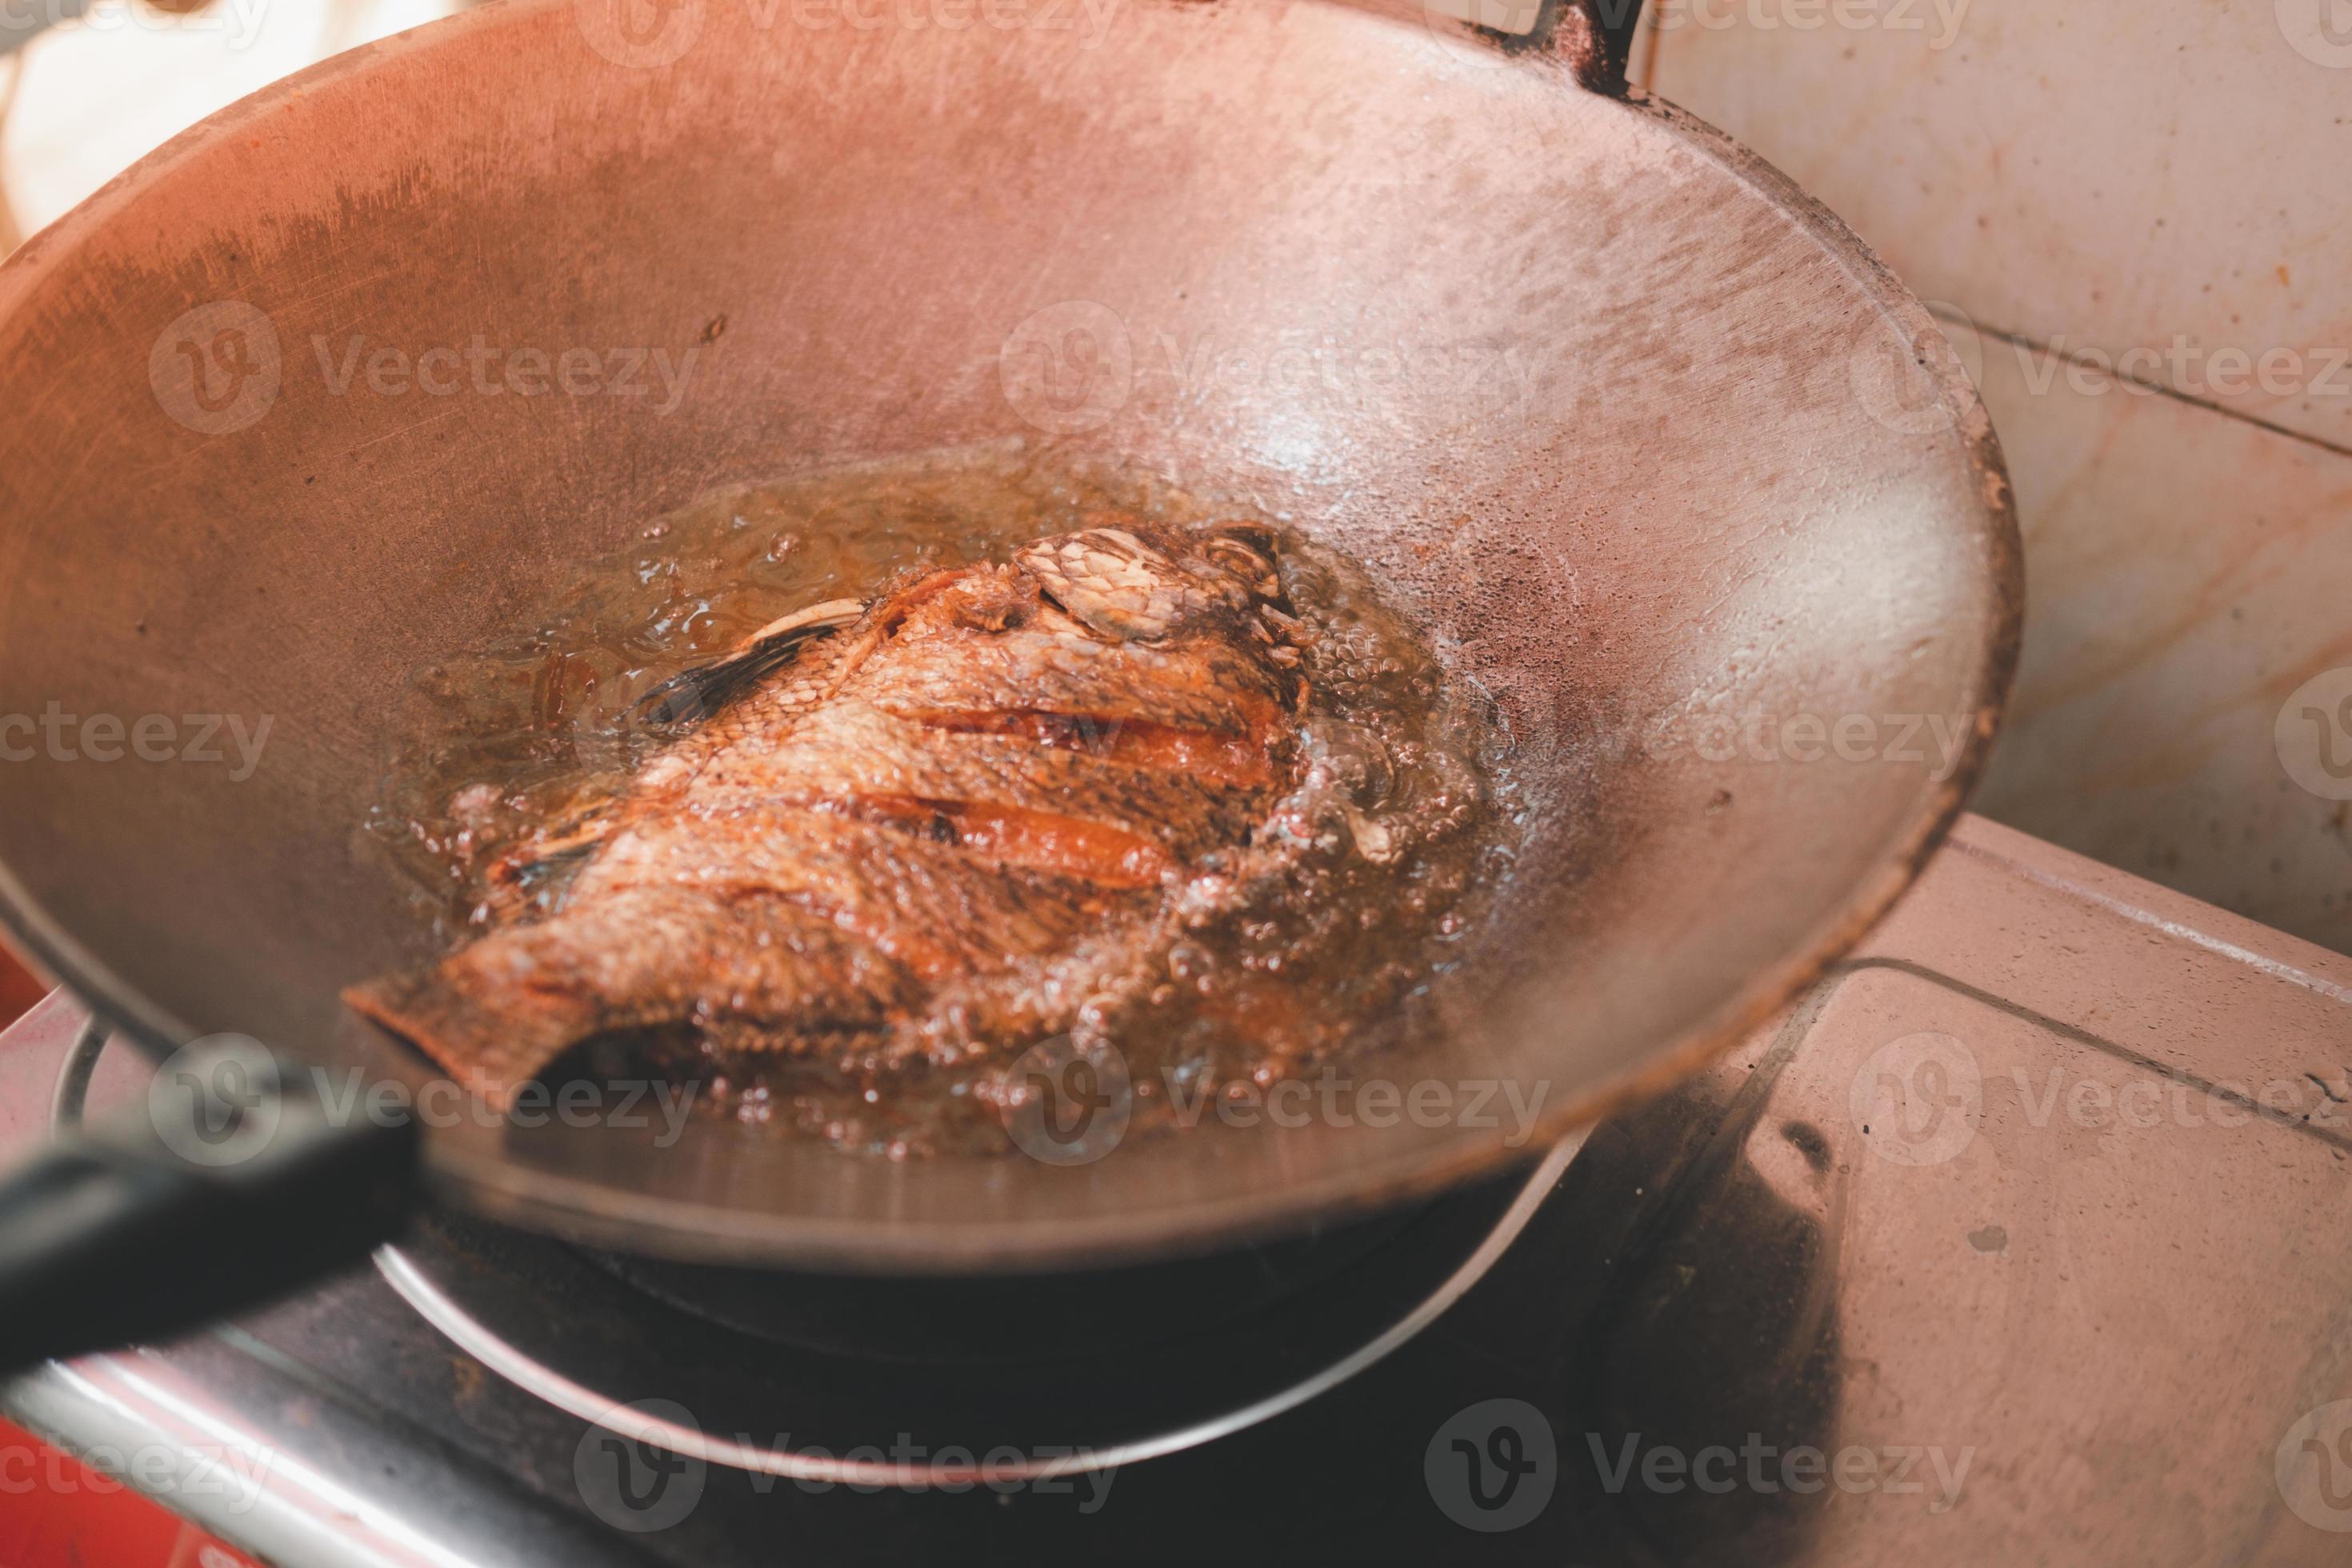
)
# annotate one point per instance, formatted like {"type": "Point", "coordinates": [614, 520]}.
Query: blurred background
{"type": "Point", "coordinates": [2131, 222]}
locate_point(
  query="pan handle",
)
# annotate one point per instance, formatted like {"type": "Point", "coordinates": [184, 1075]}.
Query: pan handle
{"type": "Point", "coordinates": [1596, 39]}
{"type": "Point", "coordinates": [220, 1193]}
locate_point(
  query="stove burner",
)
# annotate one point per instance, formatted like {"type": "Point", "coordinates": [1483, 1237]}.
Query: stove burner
{"type": "Point", "coordinates": [1006, 1319]}
{"type": "Point", "coordinates": [921, 1382]}
{"type": "Point", "coordinates": [943, 1380]}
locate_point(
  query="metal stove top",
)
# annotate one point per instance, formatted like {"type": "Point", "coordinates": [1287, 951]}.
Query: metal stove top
{"type": "Point", "coordinates": [2026, 1236]}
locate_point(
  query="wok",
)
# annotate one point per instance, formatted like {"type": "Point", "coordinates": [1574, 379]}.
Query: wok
{"type": "Point", "coordinates": [1645, 435]}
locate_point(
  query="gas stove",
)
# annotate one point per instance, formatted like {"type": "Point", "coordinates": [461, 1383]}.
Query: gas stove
{"type": "Point", "coordinates": [2020, 1237]}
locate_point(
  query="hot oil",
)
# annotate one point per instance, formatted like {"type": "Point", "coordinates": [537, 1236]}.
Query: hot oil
{"type": "Point", "coordinates": [1406, 815]}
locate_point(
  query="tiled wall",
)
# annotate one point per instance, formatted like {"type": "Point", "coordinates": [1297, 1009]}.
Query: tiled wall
{"type": "Point", "coordinates": [2137, 220]}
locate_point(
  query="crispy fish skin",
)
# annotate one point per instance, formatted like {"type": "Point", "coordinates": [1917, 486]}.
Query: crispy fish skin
{"type": "Point", "coordinates": [951, 821]}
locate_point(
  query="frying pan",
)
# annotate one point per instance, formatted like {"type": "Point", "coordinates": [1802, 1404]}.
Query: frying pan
{"type": "Point", "coordinates": [1652, 444]}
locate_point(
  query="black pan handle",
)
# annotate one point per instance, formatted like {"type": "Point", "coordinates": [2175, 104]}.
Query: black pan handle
{"type": "Point", "coordinates": [226, 1188]}
{"type": "Point", "coordinates": [1596, 37]}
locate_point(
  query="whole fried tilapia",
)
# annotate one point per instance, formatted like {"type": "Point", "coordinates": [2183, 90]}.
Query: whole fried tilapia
{"type": "Point", "coordinates": [961, 813]}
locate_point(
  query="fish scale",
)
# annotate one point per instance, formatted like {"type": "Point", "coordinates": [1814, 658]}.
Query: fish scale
{"type": "Point", "coordinates": [834, 857]}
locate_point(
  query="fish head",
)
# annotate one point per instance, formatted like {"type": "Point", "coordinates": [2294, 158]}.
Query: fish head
{"type": "Point", "coordinates": [1137, 584]}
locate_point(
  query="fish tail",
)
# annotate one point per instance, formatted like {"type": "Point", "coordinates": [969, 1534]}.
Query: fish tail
{"type": "Point", "coordinates": [500, 1012]}
{"type": "Point", "coordinates": [491, 1038]}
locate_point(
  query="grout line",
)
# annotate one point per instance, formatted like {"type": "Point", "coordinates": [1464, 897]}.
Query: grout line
{"type": "Point", "coordinates": [1953, 316]}
{"type": "Point", "coordinates": [2243, 1097]}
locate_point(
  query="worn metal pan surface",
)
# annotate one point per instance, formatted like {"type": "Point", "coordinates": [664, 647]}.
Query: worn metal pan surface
{"type": "Point", "coordinates": [1694, 485]}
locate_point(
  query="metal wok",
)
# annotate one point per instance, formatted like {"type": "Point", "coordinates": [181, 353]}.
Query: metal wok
{"type": "Point", "coordinates": [1643, 432]}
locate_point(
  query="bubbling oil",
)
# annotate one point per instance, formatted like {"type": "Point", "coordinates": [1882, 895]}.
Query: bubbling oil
{"type": "Point", "coordinates": [1406, 816]}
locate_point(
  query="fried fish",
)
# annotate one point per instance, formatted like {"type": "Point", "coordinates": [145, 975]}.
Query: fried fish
{"type": "Point", "coordinates": [958, 816]}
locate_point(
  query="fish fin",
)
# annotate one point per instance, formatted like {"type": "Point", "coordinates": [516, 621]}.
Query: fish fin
{"type": "Point", "coordinates": [549, 855]}
{"type": "Point", "coordinates": [515, 880]}
{"type": "Point", "coordinates": [696, 694]}
{"type": "Point", "coordinates": [492, 1046]}
{"type": "Point", "coordinates": [502, 1012]}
